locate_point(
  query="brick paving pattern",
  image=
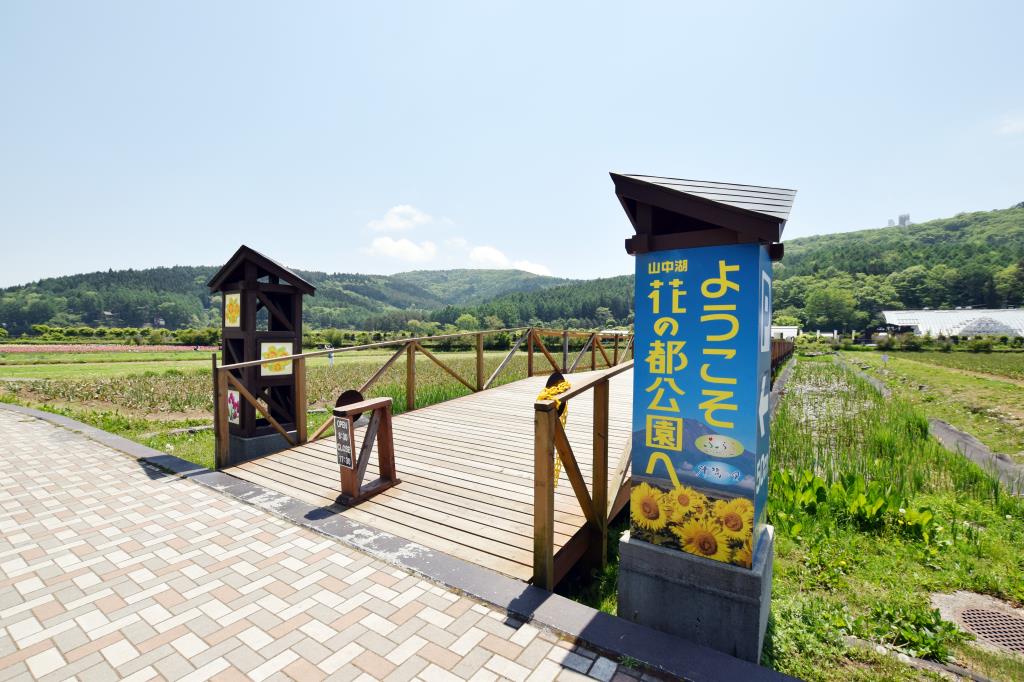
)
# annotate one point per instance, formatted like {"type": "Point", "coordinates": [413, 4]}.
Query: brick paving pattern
{"type": "Point", "coordinates": [111, 570]}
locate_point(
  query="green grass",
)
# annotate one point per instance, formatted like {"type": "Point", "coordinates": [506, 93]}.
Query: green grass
{"type": "Point", "coordinates": [831, 567]}
{"type": "Point", "coordinates": [839, 572]}
{"type": "Point", "coordinates": [1009, 365]}
{"type": "Point", "coordinates": [989, 408]}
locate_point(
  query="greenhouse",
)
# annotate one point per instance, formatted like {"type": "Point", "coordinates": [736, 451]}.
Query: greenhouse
{"type": "Point", "coordinates": [961, 322]}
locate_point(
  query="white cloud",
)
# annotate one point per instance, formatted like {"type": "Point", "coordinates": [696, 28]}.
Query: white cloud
{"type": "Point", "coordinates": [400, 218]}
{"type": "Point", "coordinates": [535, 268]}
{"type": "Point", "coordinates": [1011, 125]}
{"type": "Point", "coordinates": [403, 249]}
{"type": "Point", "coordinates": [488, 256]}
{"type": "Point", "coordinates": [456, 243]}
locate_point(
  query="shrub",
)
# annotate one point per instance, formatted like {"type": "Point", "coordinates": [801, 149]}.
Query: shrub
{"type": "Point", "coordinates": [911, 343]}
{"type": "Point", "coordinates": [980, 345]}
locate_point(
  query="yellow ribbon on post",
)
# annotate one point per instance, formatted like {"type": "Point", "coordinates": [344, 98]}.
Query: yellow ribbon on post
{"type": "Point", "coordinates": [551, 393]}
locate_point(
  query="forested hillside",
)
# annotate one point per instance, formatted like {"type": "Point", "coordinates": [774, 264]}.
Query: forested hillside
{"type": "Point", "coordinates": [586, 304]}
{"type": "Point", "coordinates": [838, 281]}
{"type": "Point", "coordinates": [178, 297]}
{"type": "Point", "coordinates": [843, 281]}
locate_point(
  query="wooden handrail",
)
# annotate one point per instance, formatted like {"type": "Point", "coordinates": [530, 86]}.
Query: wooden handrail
{"type": "Point", "coordinates": [586, 384]}
{"type": "Point", "coordinates": [445, 367]}
{"type": "Point", "coordinates": [504, 363]}
{"type": "Point", "coordinates": [550, 437]}
{"type": "Point", "coordinates": [383, 368]}
{"type": "Point", "coordinates": [546, 352]}
{"type": "Point", "coordinates": [361, 406]}
{"type": "Point", "coordinates": [226, 373]}
{"type": "Point", "coordinates": [365, 346]}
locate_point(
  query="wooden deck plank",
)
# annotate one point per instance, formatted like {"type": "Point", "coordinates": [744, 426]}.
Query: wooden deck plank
{"type": "Point", "coordinates": [463, 498]}
{"type": "Point", "coordinates": [427, 478]}
{"type": "Point", "coordinates": [500, 528]}
{"type": "Point", "coordinates": [466, 467]}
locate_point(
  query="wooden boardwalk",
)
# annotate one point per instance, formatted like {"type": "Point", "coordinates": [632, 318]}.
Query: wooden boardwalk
{"type": "Point", "coordinates": [466, 469]}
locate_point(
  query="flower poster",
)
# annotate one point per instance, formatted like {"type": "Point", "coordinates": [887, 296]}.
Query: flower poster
{"type": "Point", "coordinates": [700, 400]}
{"type": "Point", "coordinates": [275, 349]}
{"type": "Point", "coordinates": [234, 407]}
{"type": "Point", "coordinates": [232, 310]}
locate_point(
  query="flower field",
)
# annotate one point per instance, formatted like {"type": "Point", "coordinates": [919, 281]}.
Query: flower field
{"type": "Point", "coordinates": [151, 406]}
{"type": "Point", "coordinates": [97, 348]}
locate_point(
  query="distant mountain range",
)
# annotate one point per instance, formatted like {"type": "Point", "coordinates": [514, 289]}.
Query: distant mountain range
{"type": "Point", "coordinates": [178, 296]}
{"type": "Point", "coordinates": [834, 281]}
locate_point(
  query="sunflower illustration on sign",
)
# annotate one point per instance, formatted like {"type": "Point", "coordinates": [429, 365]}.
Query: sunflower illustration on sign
{"type": "Point", "coordinates": [271, 350]}
{"type": "Point", "coordinates": [687, 519]}
{"type": "Point", "coordinates": [232, 310]}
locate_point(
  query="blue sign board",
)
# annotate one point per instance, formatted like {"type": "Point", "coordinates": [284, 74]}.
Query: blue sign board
{"type": "Point", "coordinates": [702, 379]}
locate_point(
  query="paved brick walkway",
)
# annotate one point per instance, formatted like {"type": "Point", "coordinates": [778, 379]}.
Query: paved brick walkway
{"type": "Point", "coordinates": [110, 570]}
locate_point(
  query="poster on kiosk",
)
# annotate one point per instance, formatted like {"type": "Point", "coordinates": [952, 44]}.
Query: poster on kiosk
{"type": "Point", "coordinates": [702, 381]}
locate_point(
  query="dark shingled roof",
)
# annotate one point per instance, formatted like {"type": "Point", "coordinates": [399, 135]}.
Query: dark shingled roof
{"type": "Point", "coordinates": [773, 202]}
{"type": "Point", "coordinates": [232, 270]}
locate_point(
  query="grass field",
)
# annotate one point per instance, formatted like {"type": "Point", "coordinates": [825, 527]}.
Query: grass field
{"type": "Point", "coordinates": [986, 405]}
{"type": "Point", "coordinates": [1010, 365]}
{"type": "Point", "coordinates": [929, 522]}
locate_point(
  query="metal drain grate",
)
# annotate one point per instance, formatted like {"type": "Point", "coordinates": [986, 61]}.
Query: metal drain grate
{"type": "Point", "coordinates": [998, 628]}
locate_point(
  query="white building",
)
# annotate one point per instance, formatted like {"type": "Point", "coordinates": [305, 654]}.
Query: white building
{"type": "Point", "coordinates": [965, 322]}
{"type": "Point", "coordinates": [781, 331]}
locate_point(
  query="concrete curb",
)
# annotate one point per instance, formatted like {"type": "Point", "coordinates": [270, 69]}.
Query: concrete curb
{"type": "Point", "coordinates": [779, 385]}
{"type": "Point", "coordinates": [665, 654]}
{"type": "Point", "coordinates": [874, 381]}
{"type": "Point", "coordinates": [1009, 474]}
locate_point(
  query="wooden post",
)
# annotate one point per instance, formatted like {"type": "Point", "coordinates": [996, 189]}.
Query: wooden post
{"type": "Point", "coordinates": [529, 353]}
{"type": "Point", "coordinates": [598, 548]}
{"type": "Point", "coordinates": [216, 408]}
{"type": "Point", "coordinates": [593, 352]}
{"type": "Point", "coordinates": [479, 362]}
{"type": "Point", "coordinates": [544, 496]}
{"type": "Point", "coordinates": [616, 349]}
{"type": "Point", "coordinates": [410, 377]}
{"type": "Point", "coordinates": [301, 432]}
{"type": "Point", "coordinates": [222, 452]}
{"type": "Point", "coordinates": [386, 448]}
{"type": "Point", "coordinates": [565, 351]}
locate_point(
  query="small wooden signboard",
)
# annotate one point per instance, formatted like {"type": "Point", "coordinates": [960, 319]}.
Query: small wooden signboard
{"type": "Point", "coordinates": [351, 468]}
{"type": "Point", "coordinates": [345, 441]}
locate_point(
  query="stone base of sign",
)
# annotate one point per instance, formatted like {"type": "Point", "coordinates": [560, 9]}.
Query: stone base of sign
{"type": "Point", "coordinates": [242, 449]}
{"type": "Point", "coordinates": [719, 605]}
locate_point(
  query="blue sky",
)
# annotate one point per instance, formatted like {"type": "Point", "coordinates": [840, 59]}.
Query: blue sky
{"type": "Point", "coordinates": [381, 137]}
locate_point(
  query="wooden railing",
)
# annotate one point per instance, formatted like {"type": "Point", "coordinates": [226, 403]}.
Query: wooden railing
{"type": "Point", "coordinates": [225, 376]}
{"type": "Point", "coordinates": [781, 351]}
{"type": "Point", "coordinates": [549, 437]}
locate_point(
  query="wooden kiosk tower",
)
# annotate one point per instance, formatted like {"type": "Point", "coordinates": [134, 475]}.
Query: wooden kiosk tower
{"type": "Point", "coordinates": [261, 318]}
